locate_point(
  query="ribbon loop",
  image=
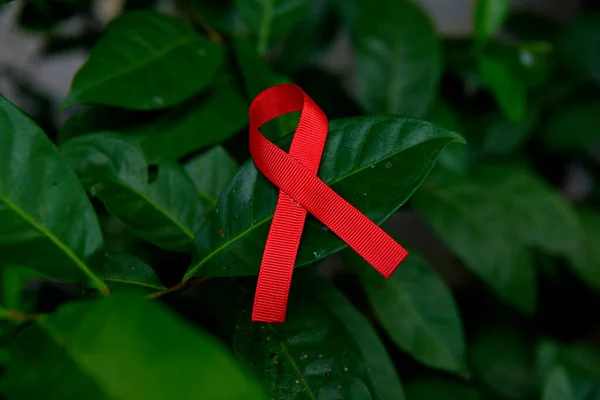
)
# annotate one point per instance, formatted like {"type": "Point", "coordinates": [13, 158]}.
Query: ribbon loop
{"type": "Point", "coordinates": [295, 173]}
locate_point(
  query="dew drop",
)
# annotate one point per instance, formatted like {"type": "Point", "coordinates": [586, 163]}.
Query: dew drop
{"type": "Point", "coordinates": [297, 381]}
{"type": "Point", "coordinates": [388, 165]}
{"type": "Point", "coordinates": [158, 100]}
{"type": "Point", "coordinates": [372, 166]}
{"type": "Point", "coordinates": [345, 369]}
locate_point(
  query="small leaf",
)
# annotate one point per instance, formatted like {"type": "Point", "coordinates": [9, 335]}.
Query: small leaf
{"type": "Point", "coordinates": [440, 388]}
{"type": "Point", "coordinates": [398, 58]}
{"type": "Point", "coordinates": [325, 350]}
{"type": "Point", "coordinates": [418, 312]}
{"type": "Point", "coordinates": [489, 18]}
{"type": "Point", "coordinates": [165, 212]}
{"type": "Point", "coordinates": [567, 385]}
{"type": "Point", "coordinates": [125, 272]}
{"type": "Point", "coordinates": [86, 349]}
{"type": "Point", "coordinates": [211, 172]}
{"type": "Point", "coordinates": [375, 163]}
{"type": "Point", "coordinates": [579, 46]}
{"type": "Point", "coordinates": [43, 206]}
{"type": "Point", "coordinates": [258, 76]}
{"type": "Point", "coordinates": [504, 81]}
{"type": "Point", "coordinates": [145, 61]}
{"type": "Point", "coordinates": [270, 20]}
{"type": "Point", "coordinates": [195, 124]}
{"type": "Point", "coordinates": [502, 360]}
{"type": "Point", "coordinates": [570, 128]}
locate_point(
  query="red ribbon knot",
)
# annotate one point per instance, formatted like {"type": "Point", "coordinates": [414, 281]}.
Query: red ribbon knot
{"type": "Point", "coordinates": [295, 174]}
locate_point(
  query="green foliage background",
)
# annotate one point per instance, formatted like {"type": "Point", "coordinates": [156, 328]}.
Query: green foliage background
{"type": "Point", "coordinates": [131, 234]}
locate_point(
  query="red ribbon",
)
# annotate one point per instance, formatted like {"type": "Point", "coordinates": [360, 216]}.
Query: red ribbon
{"type": "Point", "coordinates": [295, 173]}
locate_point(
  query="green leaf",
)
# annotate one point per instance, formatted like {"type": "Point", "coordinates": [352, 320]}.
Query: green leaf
{"type": "Point", "coordinates": [4, 314]}
{"type": "Point", "coordinates": [503, 136]}
{"type": "Point", "coordinates": [454, 157]}
{"type": "Point", "coordinates": [124, 272]}
{"type": "Point", "coordinates": [258, 76]}
{"type": "Point", "coordinates": [579, 46]}
{"type": "Point", "coordinates": [571, 128]}
{"type": "Point", "coordinates": [566, 385]}
{"type": "Point", "coordinates": [490, 219]}
{"type": "Point", "coordinates": [43, 206]}
{"type": "Point", "coordinates": [398, 58]}
{"type": "Point", "coordinates": [145, 61]}
{"type": "Point", "coordinates": [270, 20]}
{"type": "Point", "coordinates": [578, 357]}
{"type": "Point", "coordinates": [122, 347]}
{"type": "Point", "coordinates": [418, 312]}
{"type": "Point", "coordinates": [505, 82]}
{"type": "Point", "coordinates": [13, 279]}
{"type": "Point", "coordinates": [440, 388]}
{"type": "Point", "coordinates": [194, 125]}
{"type": "Point", "coordinates": [325, 350]}
{"type": "Point", "coordinates": [375, 163]}
{"type": "Point", "coordinates": [165, 212]}
{"type": "Point", "coordinates": [474, 224]}
{"type": "Point", "coordinates": [502, 360]}
{"type": "Point", "coordinates": [211, 172]}
{"type": "Point", "coordinates": [489, 18]}
{"type": "Point", "coordinates": [585, 259]}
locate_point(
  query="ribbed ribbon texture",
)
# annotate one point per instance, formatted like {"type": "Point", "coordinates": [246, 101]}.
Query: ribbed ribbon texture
{"type": "Point", "coordinates": [295, 174]}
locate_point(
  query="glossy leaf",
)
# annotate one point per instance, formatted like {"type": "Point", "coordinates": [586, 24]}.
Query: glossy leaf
{"type": "Point", "coordinates": [86, 349]}
{"type": "Point", "coordinates": [165, 212]}
{"type": "Point", "coordinates": [572, 128]}
{"type": "Point", "coordinates": [270, 20]}
{"type": "Point", "coordinates": [398, 58]}
{"type": "Point", "coordinates": [194, 125]}
{"type": "Point", "coordinates": [325, 350]}
{"type": "Point", "coordinates": [50, 213]}
{"type": "Point", "coordinates": [489, 17]}
{"type": "Point", "coordinates": [145, 61]}
{"type": "Point", "coordinates": [579, 46]}
{"type": "Point", "coordinates": [475, 226]}
{"type": "Point", "coordinates": [375, 163]}
{"type": "Point", "coordinates": [417, 311]}
{"type": "Point", "coordinates": [211, 172]}
{"type": "Point", "coordinates": [501, 359]}
{"type": "Point", "coordinates": [440, 388]}
{"type": "Point", "coordinates": [124, 272]}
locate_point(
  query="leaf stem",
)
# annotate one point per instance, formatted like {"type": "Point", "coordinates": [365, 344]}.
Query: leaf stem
{"type": "Point", "coordinates": [199, 20]}
{"type": "Point", "coordinates": [178, 287]}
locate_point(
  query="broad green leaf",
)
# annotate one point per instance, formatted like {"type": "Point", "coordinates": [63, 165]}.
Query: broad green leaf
{"type": "Point", "coordinates": [563, 384]}
{"type": "Point", "coordinates": [195, 124]}
{"type": "Point", "coordinates": [440, 388]}
{"type": "Point", "coordinates": [418, 312]}
{"type": "Point", "coordinates": [211, 172]}
{"type": "Point", "coordinates": [474, 224]}
{"type": "Point", "coordinates": [325, 350]}
{"type": "Point", "coordinates": [122, 347]}
{"type": "Point", "coordinates": [145, 61]}
{"type": "Point", "coordinates": [573, 128]}
{"type": "Point", "coordinates": [579, 46]}
{"type": "Point", "coordinates": [505, 82]}
{"type": "Point", "coordinates": [489, 17]}
{"type": "Point", "coordinates": [270, 20]}
{"type": "Point", "coordinates": [502, 360]}
{"type": "Point", "coordinates": [125, 272]}
{"type": "Point", "coordinates": [165, 212]}
{"type": "Point", "coordinates": [43, 206]}
{"type": "Point", "coordinates": [375, 163]}
{"type": "Point", "coordinates": [490, 219]}
{"type": "Point", "coordinates": [454, 157]}
{"type": "Point", "coordinates": [398, 58]}
{"type": "Point", "coordinates": [258, 76]}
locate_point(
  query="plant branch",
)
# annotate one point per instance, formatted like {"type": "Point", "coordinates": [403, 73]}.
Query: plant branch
{"type": "Point", "coordinates": [178, 287]}
{"type": "Point", "coordinates": [199, 20]}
